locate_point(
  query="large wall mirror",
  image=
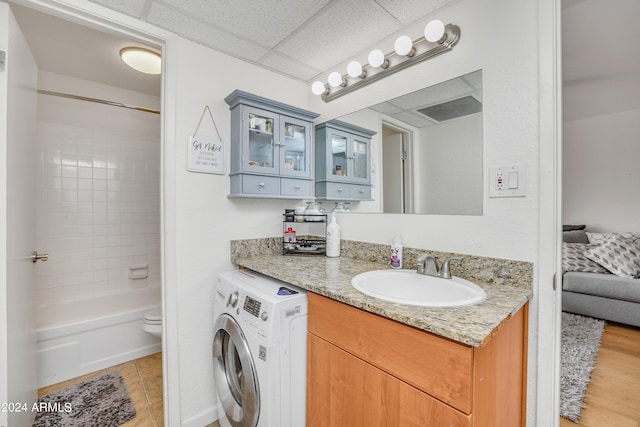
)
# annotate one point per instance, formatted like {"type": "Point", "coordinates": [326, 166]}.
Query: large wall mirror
{"type": "Point", "coordinates": [427, 154]}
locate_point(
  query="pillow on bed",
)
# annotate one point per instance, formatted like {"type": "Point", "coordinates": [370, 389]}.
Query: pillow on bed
{"type": "Point", "coordinates": [569, 227]}
{"type": "Point", "coordinates": [599, 238]}
{"type": "Point", "coordinates": [619, 255]}
{"type": "Point", "coordinates": [574, 260]}
{"type": "Point", "coordinates": [575, 236]}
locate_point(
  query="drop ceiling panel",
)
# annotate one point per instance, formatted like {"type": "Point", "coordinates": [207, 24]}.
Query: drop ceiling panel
{"type": "Point", "coordinates": [414, 119]}
{"type": "Point", "coordinates": [436, 94]}
{"type": "Point", "coordinates": [386, 108]}
{"type": "Point", "coordinates": [207, 35]}
{"type": "Point", "coordinates": [409, 10]}
{"type": "Point", "coordinates": [341, 30]}
{"type": "Point", "coordinates": [289, 66]}
{"type": "Point", "coordinates": [264, 22]}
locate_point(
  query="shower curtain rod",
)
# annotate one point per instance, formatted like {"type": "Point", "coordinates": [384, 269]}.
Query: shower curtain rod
{"type": "Point", "coordinates": [99, 101]}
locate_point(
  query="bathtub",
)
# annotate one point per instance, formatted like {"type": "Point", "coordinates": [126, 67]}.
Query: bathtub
{"type": "Point", "coordinates": [83, 335]}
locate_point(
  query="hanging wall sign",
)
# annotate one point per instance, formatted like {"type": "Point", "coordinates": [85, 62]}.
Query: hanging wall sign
{"type": "Point", "coordinates": [205, 153]}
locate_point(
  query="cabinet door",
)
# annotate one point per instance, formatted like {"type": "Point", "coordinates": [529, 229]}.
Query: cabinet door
{"type": "Point", "coordinates": [259, 150]}
{"type": "Point", "coordinates": [359, 157]}
{"type": "Point", "coordinates": [343, 390]}
{"type": "Point", "coordinates": [294, 147]}
{"type": "Point", "coordinates": [338, 153]}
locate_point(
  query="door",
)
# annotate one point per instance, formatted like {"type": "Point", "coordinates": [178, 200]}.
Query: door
{"type": "Point", "coordinates": [259, 145]}
{"type": "Point", "coordinates": [392, 171]}
{"type": "Point", "coordinates": [18, 84]}
{"type": "Point", "coordinates": [235, 374]}
{"type": "Point", "coordinates": [295, 147]}
{"type": "Point", "coordinates": [396, 170]}
{"type": "Point", "coordinates": [338, 156]}
{"type": "Point", "coordinates": [359, 156]}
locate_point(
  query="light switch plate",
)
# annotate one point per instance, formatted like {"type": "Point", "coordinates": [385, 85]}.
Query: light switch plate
{"type": "Point", "coordinates": [508, 181]}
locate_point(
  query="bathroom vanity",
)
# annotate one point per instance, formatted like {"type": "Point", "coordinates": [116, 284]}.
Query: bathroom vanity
{"type": "Point", "coordinates": [367, 370]}
{"type": "Point", "coordinates": [372, 362]}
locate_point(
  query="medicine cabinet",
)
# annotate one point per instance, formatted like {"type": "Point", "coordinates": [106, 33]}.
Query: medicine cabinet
{"type": "Point", "coordinates": [343, 161]}
{"type": "Point", "coordinates": [271, 151]}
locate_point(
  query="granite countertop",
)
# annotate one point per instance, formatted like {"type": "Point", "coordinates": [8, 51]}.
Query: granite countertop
{"type": "Point", "coordinates": [331, 277]}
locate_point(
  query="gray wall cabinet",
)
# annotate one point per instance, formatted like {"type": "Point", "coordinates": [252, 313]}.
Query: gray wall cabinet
{"type": "Point", "coordinates": [343, 161]}
{"type": "Point", "coordinates": [271, 148]}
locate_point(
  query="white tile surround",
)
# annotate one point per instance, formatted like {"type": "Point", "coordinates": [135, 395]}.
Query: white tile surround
{"type": "Point", "coordinates": [98, 197]}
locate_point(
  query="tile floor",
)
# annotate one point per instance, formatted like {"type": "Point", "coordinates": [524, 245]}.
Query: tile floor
{"type": "Point", "coordinates": [143, 378]}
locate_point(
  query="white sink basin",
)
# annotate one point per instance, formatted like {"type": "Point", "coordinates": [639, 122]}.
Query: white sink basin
{"type": "Point", "coordinates": [409, 287]}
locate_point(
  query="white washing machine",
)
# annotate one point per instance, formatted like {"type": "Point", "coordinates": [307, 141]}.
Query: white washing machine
{"type": "Point", "coordinates": [260, 351]}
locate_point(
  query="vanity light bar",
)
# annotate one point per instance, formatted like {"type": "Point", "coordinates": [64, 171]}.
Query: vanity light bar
{"type": "Point", "coordinates": [403, 57]}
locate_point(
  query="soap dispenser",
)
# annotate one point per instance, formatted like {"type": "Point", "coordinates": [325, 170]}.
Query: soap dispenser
{"type": "Point", "coordinates": [396, 253]}
{"type": "Point", "coordinates": [333, 238]}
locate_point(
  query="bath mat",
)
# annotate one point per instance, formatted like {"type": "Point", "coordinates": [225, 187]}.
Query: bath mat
{"type": "Point", "coordinates": [579, 347]}
{"type": "Point", "coordinates": [100, 402]}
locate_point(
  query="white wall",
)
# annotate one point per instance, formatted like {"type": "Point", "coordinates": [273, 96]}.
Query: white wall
{"type": "Point", "coordinates": [601, 175]}
{"type": "Point", "coordinates": [98, 190]}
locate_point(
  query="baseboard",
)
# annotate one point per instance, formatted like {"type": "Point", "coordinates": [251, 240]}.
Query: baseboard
{"type": "Point", "coordinates": [204, 418]}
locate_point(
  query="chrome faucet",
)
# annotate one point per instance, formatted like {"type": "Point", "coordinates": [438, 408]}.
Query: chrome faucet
{"type": "Point", "coordinates": [445, 273]}
{"type": "Point", "coordinates": [428, 265]}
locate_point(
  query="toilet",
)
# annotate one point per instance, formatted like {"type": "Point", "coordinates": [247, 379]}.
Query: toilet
{"type": "Point", "coordinates": [152, 322]}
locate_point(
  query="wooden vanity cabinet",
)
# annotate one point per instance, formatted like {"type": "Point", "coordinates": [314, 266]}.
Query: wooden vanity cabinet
{"type": "Point", "coordinates": [367, 370]}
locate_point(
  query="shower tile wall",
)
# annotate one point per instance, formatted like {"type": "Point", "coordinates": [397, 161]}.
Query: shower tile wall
{"type": "Point", "coordinates": [98, 198]}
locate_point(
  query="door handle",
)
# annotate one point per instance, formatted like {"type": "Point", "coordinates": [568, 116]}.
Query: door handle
{"type": "Point", "coordinates": [35, 256]}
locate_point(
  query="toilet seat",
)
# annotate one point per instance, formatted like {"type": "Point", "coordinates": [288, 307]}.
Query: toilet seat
{"type": "Point", "coordinates": [152, 322]}
{"type": "Point", "coordinates": [153, 317]}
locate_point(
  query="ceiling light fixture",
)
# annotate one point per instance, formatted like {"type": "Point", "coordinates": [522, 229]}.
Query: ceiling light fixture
{"type": "Point", "coordinates": [438, 38]}
{"type": "Point", "coordinates": [142, 60]}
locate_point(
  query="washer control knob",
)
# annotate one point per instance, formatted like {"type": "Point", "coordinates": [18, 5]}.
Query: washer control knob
{"type": "Point", "coordinates": [233, 299]}
{"type": "Point", "coordinates": [264, 316]}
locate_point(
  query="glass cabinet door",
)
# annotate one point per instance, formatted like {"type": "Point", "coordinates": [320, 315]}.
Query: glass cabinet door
{"type": "Point", "coordinates": [295, 145]}
{"type": "Point", "coordinates": [360, 159]}
{"type": "Point", "coordinates": [339, 157]}
{"type": "Point", "coordinates": [260, 150]}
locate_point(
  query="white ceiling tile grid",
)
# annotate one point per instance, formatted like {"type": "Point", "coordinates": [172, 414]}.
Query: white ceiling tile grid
{"type": "Point", "coordinates": [298, 38]}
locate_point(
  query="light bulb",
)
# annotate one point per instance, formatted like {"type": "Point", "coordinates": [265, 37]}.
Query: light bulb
{"type": "Point", "coordinates": [434, 30]}
{"type": "Point", "coordinates": [335, 79]}
{"type": "Point", "coordinates": [318, 88]}
{"type": "Point", "coordinates": [403, 45]}
{"type": "Point", "coordinates": [354, 69]}
{"type": "Point", "coordinates": [376, 58]}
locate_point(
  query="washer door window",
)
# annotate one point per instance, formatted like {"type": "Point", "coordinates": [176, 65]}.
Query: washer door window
{"type": "Point", "coordinates": [235, 374]}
